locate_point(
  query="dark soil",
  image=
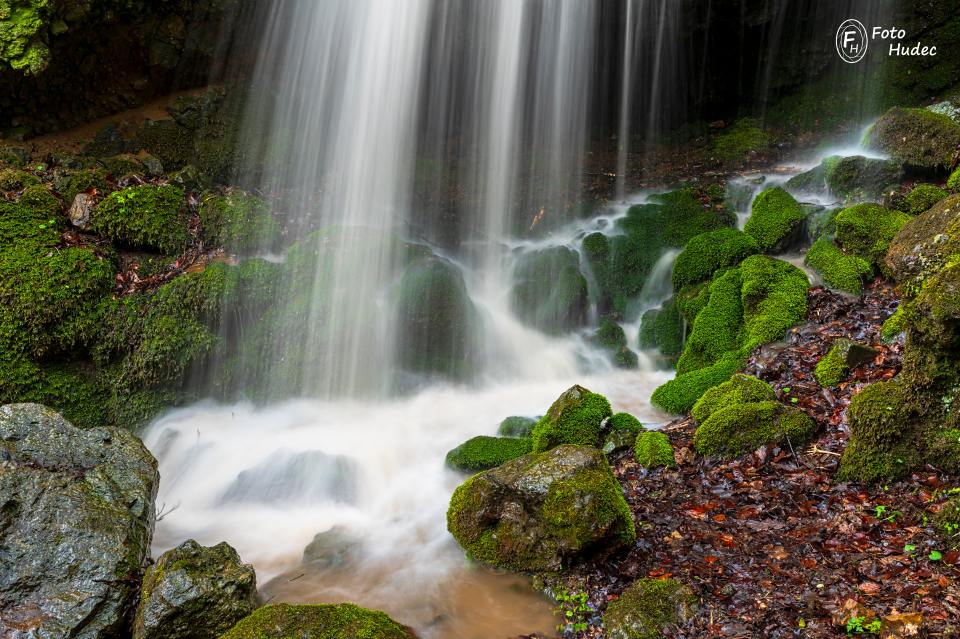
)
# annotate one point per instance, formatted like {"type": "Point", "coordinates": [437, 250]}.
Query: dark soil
{"type": "Point", "coordinates": [770, 543]}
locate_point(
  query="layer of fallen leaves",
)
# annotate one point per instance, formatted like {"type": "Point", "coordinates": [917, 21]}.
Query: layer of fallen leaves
{"type": "Point", "coordinates": [772, 546]}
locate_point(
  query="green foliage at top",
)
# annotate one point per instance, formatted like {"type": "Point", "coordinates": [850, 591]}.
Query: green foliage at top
{"type": "Point", "coordinates": [839, 270]}
{"type": "Point", "coordinates": [866, 230]}
{"type": "Point", "coordinates": [922, 198]}
{"type": "Point", "coordinates": [741, 428]}
{"type": "Point", "coordinates": [576, 417]}
{"type": "Point", "coordinates": [748, 306]}
{"type": "Point", "coordinates": [741, 389]}
{"type": "Point", "coordinates": [21, 29]}
{"type": "Point", "coordinates": [709, 252]}
{"type": "Point", "coordinates": [322, 621]}
{"type": "Point", "coordinates": [483, 452]}
{"type": "Point", "coordinates": [775, 218]}
{"type": "Point", "coordinates": [648, 608]}
{"type": "Point", "coordinates": [744, 137]}
{"type": "Point", "coordinates": [239, 222]}
{"type": "Point", "coordinates": [654, 450]}
{"type": "Point", "coordinates": [148, 216]}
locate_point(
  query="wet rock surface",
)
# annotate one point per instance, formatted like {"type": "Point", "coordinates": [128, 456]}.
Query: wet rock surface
{"type": "Point", "coordinates": [76, 519]}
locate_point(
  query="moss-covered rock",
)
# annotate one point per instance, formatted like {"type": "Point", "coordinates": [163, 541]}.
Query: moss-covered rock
{"type": "Point", "coordinates": [707, 253]}
{"type": "Point", "coordinates": [741, 389]}
{"type": "Point", "coordinates": [323, 621]}
{"type": "Point", "coordinates": [609, 337]}
{"type": "Point", "coordinates": [744, 138]}
{"type": "Point", "coordinates": [921, 139]}
{"type": "Point", "coordinates": [653, 449]}
{"type": "Point", "coordinates": [484, 453]}
{"type": "Point", "coordinates": [680, 394]}
{"type": "Point", "coordinates": [71, 183]}
{"type": "Point", "coordinates": [866, 231]}
{"type": "Point", "coordinates": [662, 329]}
{"type": "Point", "coordinates": [840, 271]}
{"type": "Point", "coordinates": [148, 216]}
{"type": "Point", "coordinates": [925, 244]}
{"type": "Point", "coordinates": [851, 179]}
{"type": "Point", "coordinates": [741, 428]}
{"type": "Point", "coordinates": [193, 591]}
{"type": "Point", "coordinates": [625, 421]}
{"type": "Point", "coordinates": [894, 325]}
{"type": "Point", "coordinates": [238, 221]}
{"type": "Point", "coordinates": [576, 417]}
{"type": "Point", "coordinates": [437, 320]}
{"type": "Point", "coordinates": [16, 180]}
{"type": "Point", "coordinates": [22, 26]}
{"type": "Point", "coordinates": [516, 426]}
{"type": "Point", "coordinates": [953, 182]}
{"type": "Point", "coordinates": [550, 292]}
{"type": "Point", "coordinates": [648, 609]}
{"type": "Point", "coordinates": [539, 512]}
{"type": "Point", "coordinates": [922, 198]}
{"type": "Point", "coordinates": [843, 356]}
{"type": "Point", "coordinates": [692, 299]}
{"type": "Point", "coordinates": [776, 221]}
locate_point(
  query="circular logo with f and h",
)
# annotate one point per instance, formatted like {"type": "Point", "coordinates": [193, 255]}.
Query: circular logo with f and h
{"type": "Point", "coordinates": [852, 41]}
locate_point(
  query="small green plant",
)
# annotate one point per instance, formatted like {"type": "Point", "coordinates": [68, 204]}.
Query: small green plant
{"type": "Point", "coordinates": [859, 626]}
{"type": "Point", "coordinates": [880, 510]}
{"type": "Point", "coordinates": [574, 609]}
{"type": "Point", "coordinates": [935, 555]}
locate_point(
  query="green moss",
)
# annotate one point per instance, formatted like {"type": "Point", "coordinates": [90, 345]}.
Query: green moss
{"type": "Point", "coordinates": [922, 198]}
{"type": "Point", "coordinates": [610, 337]}
{"type": "Point", "coordinates": [549, 292]}
{"type": "Point", "coordinates": [87, 180]}
{"type": "Point", "coordinates": [16, 180]}
{"type": "Point", "coordinates": [576, 417]}
{"type": "Point", "coordinates": [775, 220]}
{"type": "Point", "coordinates": [483, 453]}
{"type": "Point", "coordinates": [839, 270]}
{"type": "Point", "coordinates": [741, 389]}
{"type": "Point", "coordinates": [648, 609]}
{"type": "Point", "coordinates": [692, 299]}
{"type": "Point", "coordinates": [22, 26]}
{"type": "Point", "coordinates": [662, 329]}
{"type": "Point", "coordinates": [709, 252]}
{"type": "Point", "coordinates": [858, 178]}
{"type": "Point", "coordinates": [516, 427]}
{"type": "Point", "coordinates": [716, 330]}
{"type": "Point", "coordinates": [654, 450]}
{"type": "Point", "coordinates": [625, 421]}
{"type": "Point", "coordinates": [774, 297]}
{"type": "Point", "coordinates": [742, 428]}
{"type": "Point", "coordinates": [895, 324]}
{"type": "Point", "coordinates": [832, 367]}
{"type": "Point", "coordinates": [948, 521]}
{"type": "Point", "coordinates": [238, 222]}
{"type": "Point", "coordinates": [148, 216]}
{"type": "Point", "coordinates": [953, 183]}
{"type": "Point", "coordinates": [680, 394]}
{"type": "Point", "coordinates": [922, 139]}
{"type": "Point", "coordinates": [743, 138]}
{"type": "Point", "coordinates": [866, 230]}
{"type": "Point", "coordinates": [323, 621]}
{"type": "Point", "coordinates": [563, 508]}
{"type": "Point", "coordinates": [879, 417]}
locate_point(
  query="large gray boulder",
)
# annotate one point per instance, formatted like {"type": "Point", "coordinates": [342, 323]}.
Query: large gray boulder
{"type": "Point", "coordinates": [194, 592]}
{"type": "Point", "coordinates": [76, 518]}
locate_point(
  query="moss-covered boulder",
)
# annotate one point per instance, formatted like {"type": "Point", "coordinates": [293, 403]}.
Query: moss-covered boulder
{"type": "Point", "coordinates": [843, 356]}
{"type": "Point", "coordinates": [953, 182]}
{"type": "Point", "coordinates": [193, 592]}
{"type": "Point", "coordinates": [483, 452]}
{"type": "Point", "coordinates": [662, 329]}
{"type": "Point", "coordinates": [623, 429]}
{"type": "Point", "coordinates": [925, 244]}
{"type": "Point", "coordinates": [437, 320]}
{"type": "Point", "coordinates": [610, 337]}
{"type": "Point", "coordinates": [740, 141]}
{"type": "Point", "coordinates": [16, 180]}
{"type": "Point", "coordinates": [239, 222]}
{"type": "Point", "coordinates": [78, 511]}
{"type": "Point", "coordinates": [653, 449]}
{"type": "Point", "coordinates": [707, 253]}
{"type": "Point", "coordinates": [541, 511]}
{"type": "Point", "coordinates": [851, 179]}
{"type": "Point", "coordinates": [741, 389]}
{"type": "Point", "coordinates": [550, 292]}
{"type": "Point", "coordinates": [516, 426]}
{"type": "Point", "coordinates": [921, 139]}
{"type": "Point", "coordinates": [922, 198]}
{"type": "Point", "coordinates": [323, 621]}
{"type": "Point", "coordinates": [648, 609]}
{"type": "Point", "coordinates": [741, 428]}
{"type": "Point", "coordinates": [23, 25]}
{"type": "Point", "coordinates": [748, 306]}
{"type": "Point", "coordinates": [776, 221]}
{"type": "Point", "coordinates": [576, 417]}
{"type": "Point", "coordinates": [866, 230]}
{"type": "Point", "coordinates": [840, 271]}
{"type": "Point", "coordinates": [150, 217]}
